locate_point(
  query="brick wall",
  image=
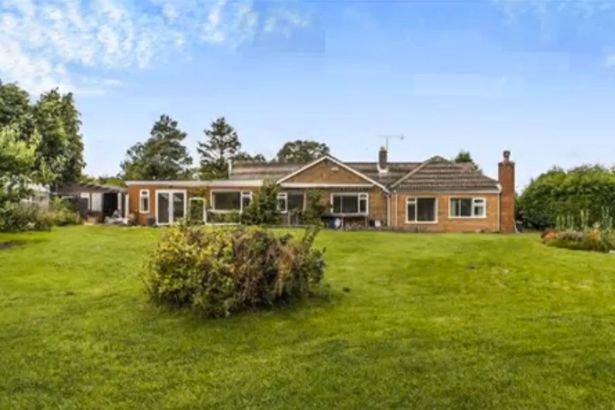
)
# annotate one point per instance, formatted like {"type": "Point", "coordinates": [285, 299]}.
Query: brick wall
{"type": "Point", "coordinates": [134, 190]}
{"type": "Point", "coordinates": [327, 171]}
{"type": "Point", "coordinates": [506, 172]}
{"type": "Point", "coordinates": [444, 222]}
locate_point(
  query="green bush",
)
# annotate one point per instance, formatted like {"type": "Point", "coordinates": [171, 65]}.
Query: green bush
{"type": "Point", "coordinates": [588, 240]}
{"type": "Point", "coordinates": [223, 217]}
{"type": "Point", "coordinates": [223, 271]}
{"type": "Point", "coordinates": [263, 210]}
{"type": "Point", "coordinates": [580, 195]}
{"type": "Point", "coordinates": [20, 217]}
{"type": "Point", "coordinates": [62, 213]}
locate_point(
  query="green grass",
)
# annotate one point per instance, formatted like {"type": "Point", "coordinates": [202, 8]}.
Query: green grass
{"type": "Point", "coordinates": [430, 321]}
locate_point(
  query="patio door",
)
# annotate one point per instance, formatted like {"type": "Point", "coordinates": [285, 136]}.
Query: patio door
{"type": "Point", "coordinates": [170, 206]}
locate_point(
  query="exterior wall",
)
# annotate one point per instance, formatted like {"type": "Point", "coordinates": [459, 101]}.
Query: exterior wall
{"type": "Point", "coordinates": [329, 173]}
{"type": "Point", "coordinates": [192, 192]}
{"type": "Point", "coordinates": [444, 222]}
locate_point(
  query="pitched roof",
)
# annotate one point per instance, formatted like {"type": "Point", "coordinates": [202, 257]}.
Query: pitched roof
{"type": "Point", "coordinates": [436, 174]}
{"type": "Point", "coordinates": [262, 170]}
{"type": "Point", "coordinates": [396, 170]}
{"type": "Point", "coordinates": [72, 188]}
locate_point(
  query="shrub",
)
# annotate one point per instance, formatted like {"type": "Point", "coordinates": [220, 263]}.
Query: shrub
{"type": "Point", "coordinates": [19, 217]}
{"type": "Point", "coordinates": [314, 208]}
{"type": "Point", "coordinates": [223, 271]}
{"type": "Point", "coordinates": [263, 210]}
{"type": "Point", "coordinates": [557, 193]}
{"type": "Point", "coordinates": [588, 240]}
{"type": "Point", "coordinates": [223, 217]}
{"type": "Point", "coordinates": [62, 213]}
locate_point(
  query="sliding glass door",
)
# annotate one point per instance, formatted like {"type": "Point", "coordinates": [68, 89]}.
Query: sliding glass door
{"type": "Point", "coordinates": [170, 206]}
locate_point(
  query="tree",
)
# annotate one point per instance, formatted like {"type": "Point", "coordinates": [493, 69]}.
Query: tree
{"type": "Point", "coordinates": [61, 148]}
{"type": "Point", "coordinates": [263, 210]}
{"type": "Point", "coordinates": [221, 145]}
{"type": "Point", "coordinates": [244, 156]}
{"type": "Point", "coordinates": [566, 194]}
{"type": "Point", "coordinates": [17, 158]}
{"type": "Point", "coordinates": [15, 110]}
{"type": "Point", "coordinates": [53, 151]}
{"type": "Point", "coordinates": [464, 157]}
{"type": "Point", "coordinates": [72, 125]}
{"type": "Point", "coordinates": [161, 157]}
{"type": "Point", "coordinates": [302, 151]}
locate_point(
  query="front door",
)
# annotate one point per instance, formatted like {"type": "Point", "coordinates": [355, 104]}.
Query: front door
{"type": "Point", "coordinates": [170, 206]}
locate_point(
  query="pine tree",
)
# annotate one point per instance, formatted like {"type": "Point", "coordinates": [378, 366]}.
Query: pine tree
{"type": "Point", "coordinates": [161, 157]}
{"type": "Point", "coordinates": [221, 145]}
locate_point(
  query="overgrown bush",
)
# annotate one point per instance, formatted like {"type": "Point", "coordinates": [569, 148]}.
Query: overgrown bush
{"type": "Point", "coordinates": [581, 240]}
{"type": "Point", "coordinates": [223, 271]}
{"type": "Point", "coordinates": [20, 217]}
{"type": "Point", "coordinates": [223, 217]}
{"type": "Point", "coordinates": [315, 207]}
{"type": "Point", "coordinates": [62, 213]}
{"type": "Point", "coordinates": [263, 210]}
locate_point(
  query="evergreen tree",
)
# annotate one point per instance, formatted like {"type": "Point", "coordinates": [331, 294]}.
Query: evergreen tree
{"type": "Point", "coordinates": [161, 157]}
{"type": "Point", "coordinates": [74, 163]}
{"type": "Point", "coordinates": [464, 157]}
{"type": "Point", "coordinates": [221, 145]}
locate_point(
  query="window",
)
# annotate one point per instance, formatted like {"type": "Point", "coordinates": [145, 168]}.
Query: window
{"type": "Point", "coordinates": [246, 199]}
{"type": "Point", "coordinates": [349, 204]}
{"type": "Point", "coordinates": [295, 202]}
{"type": "Point", "coordinates": [226, 201]}
{"type": "Point", "coordinates": [229, 201]}
{"type": "Point", "coordinates": [421, 210]}
{"type": "Point", "coordinates": [468, 208]}
{"type": "Point", "coordinates": [196, 210]}
{"type": "Point", "coordinates": [144, 201]}
{"type": "Point", "coordinates": [283, 202]}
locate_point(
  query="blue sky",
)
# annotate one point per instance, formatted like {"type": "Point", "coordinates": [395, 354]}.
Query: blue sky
{"type": "Point", "coordinates": [535, 77]}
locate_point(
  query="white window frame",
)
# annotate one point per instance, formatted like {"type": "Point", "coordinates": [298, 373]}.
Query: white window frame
{"type": "Point", "coordinates": [242, 195]}
{"type": "Point", "coordinates": [416, 210]}
{"type": "Point", "coordinates": [196, 199]}
{"type": "Point", "coordinates": [171, 192]}
{"type": "Point", "coordinates": [359, 195]}
{"type": "Point", "coordinates": [141, 196]}
{"type": "Point", "coordinates": [474, 199]}
{"type": "Point", "coordinates": [283, 196]}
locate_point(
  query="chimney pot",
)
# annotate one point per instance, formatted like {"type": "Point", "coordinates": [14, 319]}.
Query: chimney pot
{"type": "Point", "coordinates": [507, 155]}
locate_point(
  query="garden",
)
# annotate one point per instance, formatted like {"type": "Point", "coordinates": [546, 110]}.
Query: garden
{"type": "Point", "coordinates": [397, 320]}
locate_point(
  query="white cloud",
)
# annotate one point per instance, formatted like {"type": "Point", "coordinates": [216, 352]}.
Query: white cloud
{"type": "Point", "coordinates": [44, 43]}
{"type": "Point", "coordinates": [610, 60]}
{"type": "Point", "coordinates": [284, 21]}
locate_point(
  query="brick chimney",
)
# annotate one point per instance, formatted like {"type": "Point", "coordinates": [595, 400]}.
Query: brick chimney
{"type": "Point", "coordinates": [383, 165]}
{"type": "Point", "coordinates": [506, 177]}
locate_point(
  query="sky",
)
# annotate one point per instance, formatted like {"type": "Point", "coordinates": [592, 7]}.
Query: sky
{"type": "Point", "coordinates": [534, 77]}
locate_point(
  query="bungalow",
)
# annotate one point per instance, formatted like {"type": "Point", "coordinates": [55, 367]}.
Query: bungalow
{"type": "Point", "coordinates": [436, 195]}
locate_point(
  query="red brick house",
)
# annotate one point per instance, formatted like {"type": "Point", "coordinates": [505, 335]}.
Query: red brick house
{"type": "Point", "coordinates": [436, 195]}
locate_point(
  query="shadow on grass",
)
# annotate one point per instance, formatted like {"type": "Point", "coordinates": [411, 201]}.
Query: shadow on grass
{"type": "Point", "coordinates": [10, 244]}
{"type": "Point", "coordinates": [323, 297]}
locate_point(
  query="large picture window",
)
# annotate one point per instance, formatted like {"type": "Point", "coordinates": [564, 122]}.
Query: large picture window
{"type": "Point", "coordinates": [296, 201]}
{"type": "Point", "coordinates": [349, 204]}
{"type": "Point", "coordinates": [468, 208]}
{"type": "Point", "coordinates": [144, 201]}
{"type": "Point", "coordinates": [421, 210]}
{"type": "Point", "coordinates": [230, 201]}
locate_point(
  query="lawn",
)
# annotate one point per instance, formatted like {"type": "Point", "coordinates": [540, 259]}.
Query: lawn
{"type": "Point", "coordinates": [405, 321]}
